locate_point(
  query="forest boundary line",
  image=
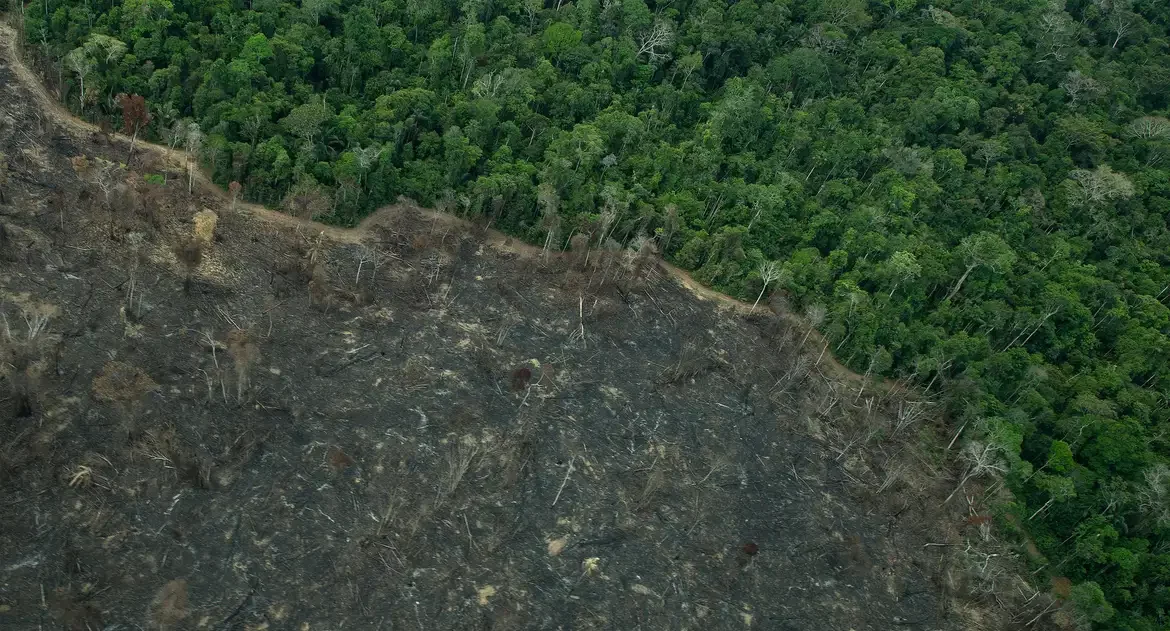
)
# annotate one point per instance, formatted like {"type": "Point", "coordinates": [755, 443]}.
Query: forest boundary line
{"type": "Point", "coordinates": [10, 50]}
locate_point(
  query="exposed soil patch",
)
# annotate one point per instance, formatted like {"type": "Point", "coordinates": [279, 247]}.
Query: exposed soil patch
{"type": "Point", "coordinates": [416, 426]}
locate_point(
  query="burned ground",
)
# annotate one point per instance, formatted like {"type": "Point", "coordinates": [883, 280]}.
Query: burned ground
{"type": "Point", "coordinates": [256, 425]}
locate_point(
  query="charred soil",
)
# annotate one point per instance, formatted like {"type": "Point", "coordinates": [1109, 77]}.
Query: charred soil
{"type": "Point", "coordinates": [227, 422]}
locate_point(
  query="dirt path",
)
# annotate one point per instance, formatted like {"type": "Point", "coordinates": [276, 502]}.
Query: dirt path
{"type": "Point", "coordinates": [176, 158]}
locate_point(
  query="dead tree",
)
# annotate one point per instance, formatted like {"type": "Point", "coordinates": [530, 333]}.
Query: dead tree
{"type": "Point", "coordinates": [320, 293]}
{"type": "Point", "coordinates": [135, 241]}
{"type": "Point", "coordinates": [644, 252]}
{"type": "Point", "coordinates": [234, 188]}
{"type": "Point", "coordinates": [3, 177]}
{"type": "Point", "coordinates": [579, 246]}
{"type": "Point", "coordinates": [203, 226]}
{"type": "Point", "coordinates": [653, 42]}
{"type": "Point", "coordinates": [190, 255]}
{"type": "Point", "coordinates": [125, 386]}
{"type": "Point", "coordinates": [23, 355]}
{"type": "Point", "coordinates": [124, 200]}
{"type": "Point", "coordinates": [550, 220]}
{"type": "Point", "coordinates": [153, 201]}
{"type": "Point", "coordinates": [135, 116]}
{"type": "Point", "coordinates": [306, 201]}
{"type": "Point", "coordinates": [194, 145]}
{"type": "Point", "coordinates": [981, 458]}
{"type": "Point", "coordinates": [102, 174]}
{"type": "Point", "coordinates": [106, 179]}
{"type": "Point", "coordinates": [670, 226]}
{"type": "Point", "coordinates": [769, 272]}
{"type": "Point", "coordinates": [244, 353]}
{"type": "Point", "coordinates": [368, 254]}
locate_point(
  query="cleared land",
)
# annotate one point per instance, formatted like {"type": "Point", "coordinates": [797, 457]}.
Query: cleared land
{"type": "Point", "coordinates": [421, 425]}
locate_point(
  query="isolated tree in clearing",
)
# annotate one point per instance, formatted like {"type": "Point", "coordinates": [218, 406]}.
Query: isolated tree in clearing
{"type": "Point", "coordinates": [190, 255]}
{"type": "Point", "coordinates": [125, 386]}
{"type": "Point", "coordinates": [135, 116]}
{"type": "Point", "coordinates": [769, 271]}
{"type": "Point", "coordinates": [234, 189]}
{"type": "Point", "coordinates": [22, 356]}
{"type": "Point", "coordinates": [244, 353]}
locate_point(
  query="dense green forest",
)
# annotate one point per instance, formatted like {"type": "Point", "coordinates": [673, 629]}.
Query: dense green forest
{"type": "Point", "coordinates": [969, 194]}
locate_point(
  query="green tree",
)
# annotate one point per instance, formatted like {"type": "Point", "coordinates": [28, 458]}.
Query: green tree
{"type": "Point", "coordinates": [559, 39]}
{"type": "Point", "coordinates": [903, 268]}
{"type": "Point", "coordinates": [305, 120]}
{"type": "Point", "coordinates": [1090, 603]}
{"type": "Point", "coordinates": [983, 249]}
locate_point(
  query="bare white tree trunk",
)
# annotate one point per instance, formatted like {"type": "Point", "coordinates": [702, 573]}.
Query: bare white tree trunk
{"type": "Point", "coordinates": [962, 279]}
{"type": "Point", "coordinates": [765, 288]}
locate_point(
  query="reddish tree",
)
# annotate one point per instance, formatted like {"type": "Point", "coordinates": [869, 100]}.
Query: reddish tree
{"type": "Point", "coordinates": [135, 116]}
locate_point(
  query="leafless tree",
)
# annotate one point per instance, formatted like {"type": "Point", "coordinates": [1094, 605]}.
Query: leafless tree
{"type": "Point", "coordinates": [190, 255]}
{"type": "Point", "coordinates": [981, 458]}
{"type": "Point", "coordinates": [909, 413]}
{"type": "Point", "coordinates": [125, 386]}
{"type": "Point", "coordinates": [641, 251]}
{"type": "Point", "coordinates": [177, 134]}
{"type": "Point", "coordinates": [670, 226]}
{"type": "Point", "coordinates": [23, 357]}
{"type": "Point", "coordinates": [135, 241]}
{"type": "Point", "coordinates": [1149, 128]}
{"type": "Point", "coordinates": [368, 254]}
{"type": "Point", "coordinates": [234, 189]}
{"type": "Point", "coordinates": [194, 144]}
{"type": "Point", "coordinates": [941, 17]}
{"type": "Point", "coordinates": [459, 459]}
{"type": "Point", "coordinates": [1154, 494]}
{"type": "Point", "coordinates": [306, 201]}
{"type": "Point", "coordinates": [81, 64]}
{"type": "Point", "coordinates": [988, 565]}
{"type": "Point", "coordinates": [1079, 86]}
{"type": "Point", "coordinates": [1119, 18]}
{"type": "Point", "coordinates": [1054, 36]}
{"type": "Point", "coordinates": [532, 8]}
{"type": "Point", "coordinates": [818, 39]}
{"type": "Point", "coordinates": [366, 156]}
{"type": "Point", "coordinates": [549, 202]}
{"type": "Point", "coordinates": [36, 318]}
{"type": "Point", "coordinates": [244, 353]}
{"type": "Point", "coordinates": [320, 293]}
{"type": "Point", "coordinates": [488, 85]}
{"type": "Point", "coordinates": [1120, 23]}
{"type": "Point", "coordinates": [609, 216]}
{"type": "Point", "coordinates": [1100, 186]}
{"type": "Point", "coordinates": [813, 316]}
{"type": "Point", "coordinates": [989, 151]}
{"type": "Point", "coordinates": [653, 42]}
{"type": "Point", "coordinates": [769, 271]}
{"type": "Point", "coordinates": [105, 176]}
{"type": "Point", "coordinates": [579, 246]}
